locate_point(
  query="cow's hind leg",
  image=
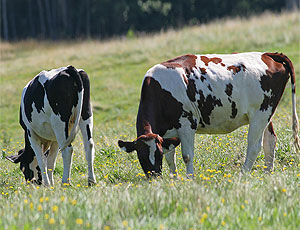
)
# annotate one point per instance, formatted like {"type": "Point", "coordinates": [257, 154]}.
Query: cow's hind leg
{"type": "Point", "coordinates": [39, 154]}
{"type": "Point", "coordinates": [171, 160]}
{"type": "Point", "coordinates": [187, 137]}
{"type": "Point", "coordinates": [51, 161]}
{"type": "Point", "coordinates": [67, 154]}
{"type": "Point", "coordinates": [86, 127]}
{"type": "Point", "coordinates": [256, 129]}
{"type": "Point", "coordinates": [269, 143]}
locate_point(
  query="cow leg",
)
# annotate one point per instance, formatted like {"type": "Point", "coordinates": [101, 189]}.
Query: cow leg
{"type": "Point", "coordinates": [39, 154]}
{"type": "Point", "coordinates": [86, 128]}
{"type": "Point", "coordinates": [67, 154]}
{"type": "Point", "coordinates": [51, 161]}
{"type": "Point", "coordinates": [255, 132]}
{"type": "Point", "coordinates": [269, 143]}
{"type": "Point", "coordinates": [171, 160]}
{"type": "Point", "coordinates": [187, 138]}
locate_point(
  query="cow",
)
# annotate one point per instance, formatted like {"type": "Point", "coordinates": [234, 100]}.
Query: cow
{"type": "Point", "coordinates": [55, 104]}
{"type": "Point", "coordinates": [210, 94]}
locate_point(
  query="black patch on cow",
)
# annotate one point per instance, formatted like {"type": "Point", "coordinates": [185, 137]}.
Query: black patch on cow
{"type": "Point", "coordinates": [202, 78]}
{"type": "Point", "coordinates": [209, 87]}
{"type": "Point", "coordinates": [39, 173]}
{"type": "Point", "coordinates": [25, 157]}
{"type": "Point", "coordinates": [206, 105]}
{"type": "Point", "coordinates": [274, 84]}
{"type": "Point", "coordinates": [190, 117]}
{"type": "Point", "coordinates": [191, 90]}
{"type": "Point", "coordinates": [158, 107]}
{"type": "Point", "coordinates": [46, 154]}
{"type": "Point", "coordinates": [88, 131]}
{"type": "Point", "coordinates": [62, 95]}
{"type": "Point", "coordinates": [233, 110]}
{"type": "Point", "coordinates": [265, 104]}
{"type": "Point", "coordinates": [228, 89]}
{"type": "Point", "coordinates": [86, 105]}
{"type": "Point", "coordinates": [274, 81]}
{"type": "Point", "coordinates": [34, 94]}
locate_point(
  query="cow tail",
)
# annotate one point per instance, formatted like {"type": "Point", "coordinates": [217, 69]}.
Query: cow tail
{"type": "Point", "coordinates": [289, 65]}
{"type": "Point", "coordinates": [291, 70]}
{"type": "Point", "coordinates": [76, 77]}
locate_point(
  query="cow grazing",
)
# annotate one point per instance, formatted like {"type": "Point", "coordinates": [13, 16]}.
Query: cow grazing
{"type": "Point", "coordinates": [54, 104]}
{"type": "Point", "coordinates": [210, 94]}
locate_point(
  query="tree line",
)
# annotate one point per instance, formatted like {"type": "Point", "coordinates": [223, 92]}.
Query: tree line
{"type": "Point", "coordinates": [70, 19]}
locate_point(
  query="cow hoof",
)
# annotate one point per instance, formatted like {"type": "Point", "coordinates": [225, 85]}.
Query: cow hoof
{"type": "Point", "coordinates": [91, 183]}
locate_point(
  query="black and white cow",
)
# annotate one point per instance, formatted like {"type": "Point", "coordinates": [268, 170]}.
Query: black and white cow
{"type": "Point", "coordinates": [211, 94]}
{"type": "Point", "coordinates": [54, 105]}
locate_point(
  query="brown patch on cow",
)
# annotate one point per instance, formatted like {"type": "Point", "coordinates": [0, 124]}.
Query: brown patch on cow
{"type": "Point", "coordinates": [215, 60]}
{"type": "Point", "coordinates": [275, 81]}
{"type": "Point", "coordinates": [271, 129]}
{"type": "Point", "coordinates": [203, 70]}
{"type": "Point", "coordinates": [234, 69]}
{"type": "Point", "coordinates": [149, 137]}
{"type": "Point", "coordinates": [187, 62]}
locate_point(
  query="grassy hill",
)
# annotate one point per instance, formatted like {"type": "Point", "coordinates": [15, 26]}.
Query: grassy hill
{"type": "Point", "coordinates": [218, 198]}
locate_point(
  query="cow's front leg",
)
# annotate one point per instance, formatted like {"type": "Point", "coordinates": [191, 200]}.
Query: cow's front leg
{"type": "Point", "coordinates": [51, 161]}
{"type": "Point", "coordinates": [67, 161]}
{"type": "Point", "coordinates": [86, 128]}
{"type": "Point", "coordinates": [187, 138]}
{"type": "Point", "coordinates": [171, 160]}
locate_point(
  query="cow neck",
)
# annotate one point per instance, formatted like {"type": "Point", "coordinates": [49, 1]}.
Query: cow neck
{"type": "Point", "coordinates": [145, 123]}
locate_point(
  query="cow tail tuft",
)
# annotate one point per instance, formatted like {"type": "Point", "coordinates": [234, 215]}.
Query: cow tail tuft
{"type": "Point", "coordinates": [76, 77]}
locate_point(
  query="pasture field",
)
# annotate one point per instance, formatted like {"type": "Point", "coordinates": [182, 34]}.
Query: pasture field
{"type": "Point", "coordinates": [218, 197]}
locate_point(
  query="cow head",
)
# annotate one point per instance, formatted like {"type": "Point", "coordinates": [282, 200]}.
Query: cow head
{"type": "Point", "coordinates": [28, 165]}
{"type": "Point", "coordinates": [149, 149]}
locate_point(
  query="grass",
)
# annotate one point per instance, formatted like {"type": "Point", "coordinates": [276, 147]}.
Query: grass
{"type": "Point", "coordinates": [218, 197]}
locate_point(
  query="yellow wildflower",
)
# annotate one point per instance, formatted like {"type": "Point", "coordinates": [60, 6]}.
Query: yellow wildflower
{"type": "Point", "coordinates": [79, 221]}
{"type": "Point", "coordinates": [51, 221]}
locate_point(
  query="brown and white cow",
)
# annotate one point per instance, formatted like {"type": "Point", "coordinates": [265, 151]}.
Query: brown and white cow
{"type": "Point", "coordinates": [212, 94]}
{"type": "Point", "coordinates": [54, 105]}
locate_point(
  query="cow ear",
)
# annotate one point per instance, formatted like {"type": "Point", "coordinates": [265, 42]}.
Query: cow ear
{"type": "Point", "coordinates": [170, 143]}
{"type": "Point", "coordinates": [16, 158]}
{"type": "Point", "coordinates": [127, 146]}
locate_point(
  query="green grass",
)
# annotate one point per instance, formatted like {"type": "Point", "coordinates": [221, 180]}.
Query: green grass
{"type": "Point", "coordinates": [218, 197]}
